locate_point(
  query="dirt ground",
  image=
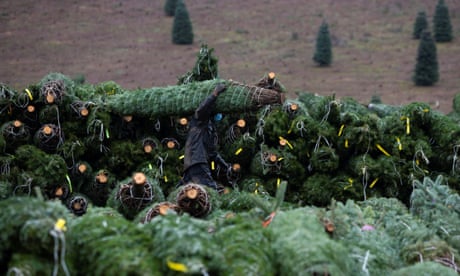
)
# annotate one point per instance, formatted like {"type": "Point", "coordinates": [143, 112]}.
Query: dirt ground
{"type": "Point", "coordinates": [129, 42]}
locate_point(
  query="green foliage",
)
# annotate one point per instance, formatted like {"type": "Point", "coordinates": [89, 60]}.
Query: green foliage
{"type": "Point", "coordinates": [424, 268]}
{"type": "Point", "coordinates": [182, 31]}
{"type": "Point", "coordinates": [420, 25]}
{"type": "Point", "coordinates": [240, 256]}
{"type": "Point", "coordinates": [301, 245]}
{"type": "Point", "coordinates": [438, 207]}
{"type": "Point", "coordinates": [426, 71]}
{"type": "Point", "coordinates": [323, 50]}
{"type": "Point", "coordinates": [442, 26]}
{"type": "Point", "coordinates": [102, 242]}
{"type": "Point", "coordinates": [25, 225]}
{"type": "Point", "coordinates": [206, 67]}
{"type": "Point", "coordinates": [186, 241]}
{"type": "Point", "coordinates": [170, 7]}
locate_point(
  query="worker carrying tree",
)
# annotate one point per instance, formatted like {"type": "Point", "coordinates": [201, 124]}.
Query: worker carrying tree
{"type": "Point", "coordinates": [201, 144]}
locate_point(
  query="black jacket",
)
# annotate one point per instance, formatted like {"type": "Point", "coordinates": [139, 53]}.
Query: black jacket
{"type": "Point", "coordinates": [201, 144]}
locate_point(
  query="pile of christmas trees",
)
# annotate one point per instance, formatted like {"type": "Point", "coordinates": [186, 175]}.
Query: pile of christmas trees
{"type": "Point", "coordinates": [89, 175]}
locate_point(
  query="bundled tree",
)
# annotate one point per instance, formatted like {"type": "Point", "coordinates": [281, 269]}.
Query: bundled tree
{"type": "Point", "coordinates": [206, 67]}
{"type": "Point", "coordinates": [426, 69]}
{"type": "Point", "coordinates": [323, 53]}
{"type": "Point", "coordinates": [442, 27]}
{"type": "Point", "coordinates": [170, 7]}
{"type": "Point", "coordinates": [182, 32]}
{"type": "Point", "coordinates": [420, 25]}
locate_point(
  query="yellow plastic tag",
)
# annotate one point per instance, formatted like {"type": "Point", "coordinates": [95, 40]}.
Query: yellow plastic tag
{"type": "Point", "coordinates": [373, 182]}
{"type": "Point", "coordinates": [181, 157]}
{"type": "Point", "coordinates": [350, 184]}
{"type": "Point", "coordinates": [407, 125]}
{"type": "Point", "coordinates": [212, 165]}
{"type": "Point", "coordinates": [341, 130]}
{"type": "Point", "coordinates": [399, 143]}
{"type": "Point", "coordinates": [69, 181]}
{"type": "Point", "coordinates": [238, 151]}
{"type": "Point", "coordinates": [29, 94]}
{"type": "Point", "coordinates": [176, 266]}
{"type": "Point", "coordinates": [60, 225]}
{"type": "Point", "coordinates": [382, 149]}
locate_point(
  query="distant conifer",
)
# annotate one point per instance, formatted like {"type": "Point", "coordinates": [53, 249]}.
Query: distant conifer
{"type": "Point", "coordinates": [182, 32]}
{"type": "Point", "coordinates": [170, 7]}
{"type": "Point", "coordinates": [323, 53]}
{"type": "Point", "coordinates": [426, 71]}
{"type": "Point", "coordinates": [420, 25]}
{"type": "Point", "coordinates": [442, 27]}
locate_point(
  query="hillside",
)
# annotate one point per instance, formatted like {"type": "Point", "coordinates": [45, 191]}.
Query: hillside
{"type": "Point", "coordinates": [130, 43]}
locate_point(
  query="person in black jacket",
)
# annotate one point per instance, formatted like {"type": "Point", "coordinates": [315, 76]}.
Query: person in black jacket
{"type": "Point", "coordinates": [201, 144]}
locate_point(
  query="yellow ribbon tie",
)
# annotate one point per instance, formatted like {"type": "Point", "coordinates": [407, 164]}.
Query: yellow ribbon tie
{"type": "Point", "coordinates": [238, 151]}
{"type": "Point", "coordinates": [346, 143]}
{"type": "Point", "coordinates": [287, 142]}
{"type": "Point", "coordinates": [350, 181]}
{"type": "Point", "coordinates": [407, 125]}
{"type": "Point", "coordinates": [29, 94]}
{"type": "Point", "coordinates": [181, 157]}
{"type": "Point", "coordinates": [60, 225]}
{"type": "Point", "coordinates": [69, 181]}
{"type": "Point", "coordinates": [382, 149]}
{"type": "Point", "coordinates": [373, 182]}
{"type": "Point", "coordinates": [176, 266]}
{"type": "Point", "coordinates": [399, 143]}
{"type": "Point", "coordinates": [212, 165]}
{"type": "Point", "coordinates": [341, 130]}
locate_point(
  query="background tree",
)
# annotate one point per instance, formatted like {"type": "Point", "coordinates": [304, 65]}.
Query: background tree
{"type": "Point", "coordinates": [421, 24]}
{"type": "Point", "coordinates": [170, 7]}
{"type": "Point", "coordinates": [426, 70]}
{"type": "Point", "coordinates": [323, 52]}
{"type": "Point", "coordinates": [182, 32]}
{"type": "Point", "coordinates": [441, 23]}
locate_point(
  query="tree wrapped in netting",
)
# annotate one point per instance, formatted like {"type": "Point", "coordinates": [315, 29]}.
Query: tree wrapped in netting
{"type": "Point", "coordinates": [241, 257]}
{"type": "Point", "coordinates": [103, 242]}
{"type": "Point", "coordinates": [439, 207]}
{"type": "Point", "coordinates": [195, 199]}
{"type": "Point", "coordinates": [184, 244]}
{"type": "Point", "coordinates": [205, 68]}
{"type": "Point", "coordinates": [133, 195]}
{"type": "Point", "coordinates": [28, 226]}
{"type": "Point", "coordinates": [33, 167]}
{"type": "Point", "coordinates": [425, 268]}
{"type": "Point", "coordinates": [184, 99]}
{"type": "Point", "coordinates": [300, 245]}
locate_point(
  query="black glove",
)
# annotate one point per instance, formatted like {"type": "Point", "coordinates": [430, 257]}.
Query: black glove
{"type": "Point", "coordinates": [220, 88]}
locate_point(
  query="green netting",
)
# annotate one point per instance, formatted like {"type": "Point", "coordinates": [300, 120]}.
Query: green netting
{"type": "Point", "coordinates": [184, 99]}
{"type": "Point", "coordinates": [301, 245]}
